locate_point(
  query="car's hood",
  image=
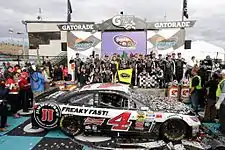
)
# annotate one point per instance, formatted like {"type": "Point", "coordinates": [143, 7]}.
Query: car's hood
{"type": "Point", "coordinates": [167, 105]}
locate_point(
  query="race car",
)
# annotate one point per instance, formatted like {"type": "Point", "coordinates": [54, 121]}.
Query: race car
{"type": "Point", "coordinates": [114, 109]}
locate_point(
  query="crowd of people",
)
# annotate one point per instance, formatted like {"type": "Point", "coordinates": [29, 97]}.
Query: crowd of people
{"type": "Point", "coordinates": [155, 70]}
{"type": "Point", "coordinates": [207, 91]}
{"type": "Point", "coordinates": [20, 84]}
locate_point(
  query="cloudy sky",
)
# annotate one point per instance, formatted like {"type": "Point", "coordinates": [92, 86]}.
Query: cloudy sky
{"type": "Point", "coordinates": [210, 14]}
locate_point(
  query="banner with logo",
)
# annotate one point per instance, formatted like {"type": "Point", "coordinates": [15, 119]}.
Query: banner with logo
{"type": "Point", "coordinates": [78, 43]}
{"type": "Point", "coordinates": [125, 75]}
{"type": "Point", "coordinates": [120, 42]}
{"type": "Point", "coordinates": [170, 39]}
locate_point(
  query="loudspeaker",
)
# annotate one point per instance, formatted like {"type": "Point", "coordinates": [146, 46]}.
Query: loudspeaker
{"type": "Point", "coordinates": [63, 46]}
{"type": "Point", "coordinates": [187, 44]}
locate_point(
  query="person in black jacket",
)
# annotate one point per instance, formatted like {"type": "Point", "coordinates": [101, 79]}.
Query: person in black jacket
{"type": "Point", "coordinates": [58, 74]}
{"type": "Point", "coordinates": [210, 109]}
{"type": "Point", "coordinates": [169, 70]}
{"type": "Point", "coordinates": [179, 67]}
{"type": "Point", "coordinates": [3, 105]}
{"type": "Point", "coordinates": [83, 77]}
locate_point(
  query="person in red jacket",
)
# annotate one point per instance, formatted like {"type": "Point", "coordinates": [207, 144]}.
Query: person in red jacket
{"type": "Point", "coordinates": [65, 73]}
{"type": "Point", "coordinates": [13, 94]}
{"type": "Point", "coordinates": [24, 86]}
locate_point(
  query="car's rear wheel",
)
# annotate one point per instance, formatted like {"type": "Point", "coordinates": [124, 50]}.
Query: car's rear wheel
{"type": "Point", "coordinates": [71, 125]}
{"type": "Point", "coordinates": [173, 130]}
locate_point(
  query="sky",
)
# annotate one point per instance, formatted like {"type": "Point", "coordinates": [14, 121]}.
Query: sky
{"type": "Point", "coordinates": [210, 14]}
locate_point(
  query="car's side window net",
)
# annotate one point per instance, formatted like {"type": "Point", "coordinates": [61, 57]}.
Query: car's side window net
{"type": "Point", "coordinates": [124, 103]}
{"type": "Point", "coordinates": [113, 100]}
{"type": "Point", "coordinates": [106, 100]}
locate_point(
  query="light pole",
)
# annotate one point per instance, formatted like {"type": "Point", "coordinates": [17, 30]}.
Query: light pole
{"type": "Point", "coordinates": [24, 51]}
{"type": "Point", "coordinates": [11, 37]}
{"type": "Point", "coordinates": [23, 42]}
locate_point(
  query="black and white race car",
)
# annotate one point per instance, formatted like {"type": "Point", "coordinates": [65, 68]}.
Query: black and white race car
{"type": "Point", "coordinates": [114, 109]}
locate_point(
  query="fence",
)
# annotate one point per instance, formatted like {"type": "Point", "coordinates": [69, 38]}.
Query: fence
{"type": "Point", "coordinates": [21, 59]}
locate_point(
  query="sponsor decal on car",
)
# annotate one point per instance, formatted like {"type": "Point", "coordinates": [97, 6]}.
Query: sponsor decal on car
{"type": "Point", "coordinates": [141, 115]}
{"type": "Point", "coordinates": [86, 111]}
{"type": "Point", "coordinates": [150, 116]}
{"type": "Point", "coordinates": [95, 121]}
{"type": "Point", "coordinates": [147, 124]}
{"type": "Point", "coordinates": [121, 122]}
{"type": "Point", "coordinates": [158, 116]}
{"type": "Point", "coordinates": [47, 115]}
{"type": "Point", "coordinates": [139, 125]}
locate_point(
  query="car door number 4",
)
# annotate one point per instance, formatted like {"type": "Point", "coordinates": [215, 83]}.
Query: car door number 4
{"type": "Point", "coordinates": [120, 122]}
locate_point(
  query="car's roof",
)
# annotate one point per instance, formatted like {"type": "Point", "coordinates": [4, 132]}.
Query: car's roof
{"type": "Point", "coordinates": [106, 86]}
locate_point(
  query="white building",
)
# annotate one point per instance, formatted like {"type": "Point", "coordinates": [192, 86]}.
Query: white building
{"type": "Point", "coordinates": [46, 36]}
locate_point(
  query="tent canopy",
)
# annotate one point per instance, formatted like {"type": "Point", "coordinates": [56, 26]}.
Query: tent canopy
{"type": "Point", "coordinates": [201, 49]}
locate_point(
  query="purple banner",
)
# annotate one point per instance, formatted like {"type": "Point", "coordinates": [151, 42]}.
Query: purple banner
{"type": "Point", "coordinates": [120, 42]}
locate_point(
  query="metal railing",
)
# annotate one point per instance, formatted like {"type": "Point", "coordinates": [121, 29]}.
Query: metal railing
{"type": "Point", "coordinates": [33, 59]}
{"type": "Point", "coordinates": [61, 57]}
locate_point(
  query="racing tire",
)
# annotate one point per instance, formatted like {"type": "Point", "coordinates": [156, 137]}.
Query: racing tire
{"type": "Point", "coordinates": [71, 125]}
{"type": "Point", "coordinates": [173, 130]}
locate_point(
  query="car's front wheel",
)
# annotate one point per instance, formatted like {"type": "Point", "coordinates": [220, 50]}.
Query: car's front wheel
{"type": "Point", "coordinates": [71, 125]}
{"type": "Point", "coordinates": [173, 130]}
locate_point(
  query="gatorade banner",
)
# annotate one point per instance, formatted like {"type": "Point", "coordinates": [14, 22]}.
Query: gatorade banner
{"type": "Point", "coordinates": [125, 75]}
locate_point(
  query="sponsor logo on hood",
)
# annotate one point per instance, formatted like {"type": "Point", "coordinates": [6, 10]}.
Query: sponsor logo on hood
{"type": "Point", "coordinates": [124, 41]}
